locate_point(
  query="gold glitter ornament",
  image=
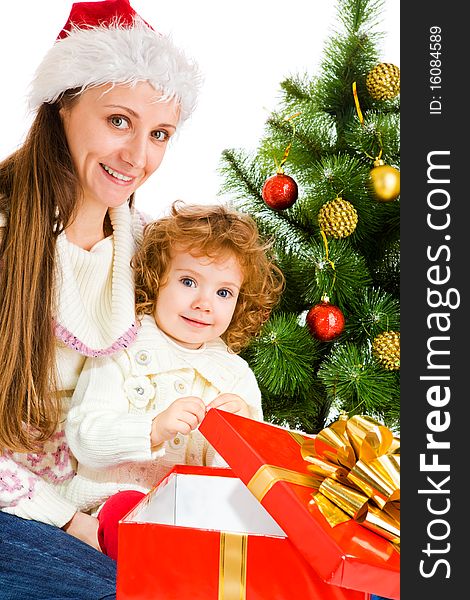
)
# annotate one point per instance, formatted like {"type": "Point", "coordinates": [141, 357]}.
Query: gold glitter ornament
{"type": "Point", "coordinates": [386, 349]}
{"type": "Point", "coordinates": [385, 181]}
{"type": "Point", "coordinates": [337, 218]}
{"type": "Point", "coordinates": [383, 81]}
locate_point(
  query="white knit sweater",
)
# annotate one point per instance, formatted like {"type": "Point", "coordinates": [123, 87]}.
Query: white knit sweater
{"type": "Point", "coordinates": [95, 299]}
{"type": "Point", "coordinates": [116, 398]}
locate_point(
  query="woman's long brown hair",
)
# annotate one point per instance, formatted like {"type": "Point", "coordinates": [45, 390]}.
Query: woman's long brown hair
{"type": "Point", "coordinates": [38, 192]}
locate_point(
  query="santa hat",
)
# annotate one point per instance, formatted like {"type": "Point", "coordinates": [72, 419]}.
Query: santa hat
{"type": "Point", "coordinates": [108, 42]}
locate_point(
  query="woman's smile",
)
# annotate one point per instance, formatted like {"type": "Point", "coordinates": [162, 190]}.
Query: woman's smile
{"type": "Point", "coordinates": [117, 175]}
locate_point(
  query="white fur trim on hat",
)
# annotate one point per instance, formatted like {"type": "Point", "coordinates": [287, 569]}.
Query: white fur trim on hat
{"type": "Point", "coordinates": [118, 55]}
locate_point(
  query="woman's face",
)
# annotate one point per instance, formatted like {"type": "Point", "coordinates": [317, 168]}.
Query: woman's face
{"type": "Point", "coordinates": [117, 138]}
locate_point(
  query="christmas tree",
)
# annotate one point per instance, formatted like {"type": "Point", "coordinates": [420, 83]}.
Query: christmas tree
{"type": "Point", "coordinates": [324, 185]}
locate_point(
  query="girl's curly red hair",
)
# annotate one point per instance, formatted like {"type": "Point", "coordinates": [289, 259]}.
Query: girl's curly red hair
{"type": "Point", "coordinates": [214, 231]}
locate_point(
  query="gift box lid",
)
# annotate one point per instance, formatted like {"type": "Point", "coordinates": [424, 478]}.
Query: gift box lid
{"type": "Point", "coordinates": [267, 458]}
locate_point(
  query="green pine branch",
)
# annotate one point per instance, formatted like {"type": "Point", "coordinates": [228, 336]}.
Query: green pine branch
{"type": "Point", "coordinates": [306, 382]}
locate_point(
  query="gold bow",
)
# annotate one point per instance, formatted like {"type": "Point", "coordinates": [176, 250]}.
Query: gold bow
{"type": "Point", "coordinates": [356, 468]}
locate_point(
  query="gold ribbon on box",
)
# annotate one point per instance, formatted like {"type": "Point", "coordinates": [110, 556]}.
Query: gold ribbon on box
{"type": "Point", "coordinates": [354, 466]}
{"type": "Point", "coordinates": [232, 566]}
{"type": "Point", "coordinates": [357, 463]}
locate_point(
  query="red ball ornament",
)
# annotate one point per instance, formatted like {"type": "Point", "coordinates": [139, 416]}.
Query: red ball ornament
{"type": "Point", "coordinates": [325, 321]}
{"type": "Point", "coordinates": [280, 191]}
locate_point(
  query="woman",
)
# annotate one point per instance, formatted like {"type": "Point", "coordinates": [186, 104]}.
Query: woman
{"type": "Point", "coordinates": [109, 95]}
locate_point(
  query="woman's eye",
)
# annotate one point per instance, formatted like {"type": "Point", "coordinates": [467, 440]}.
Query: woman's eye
{"type": "Point", "coordinates": [224, 293]}
{"type": "Point", "coordinates": [160, 135]}
{"type": "Point", "coordinates": [188, 282]}
{"type": "Point", "coordinates": [119, 122]}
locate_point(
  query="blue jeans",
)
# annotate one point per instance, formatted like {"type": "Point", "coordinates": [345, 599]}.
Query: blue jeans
{"type": "Point", "coordinates": [42, 562]}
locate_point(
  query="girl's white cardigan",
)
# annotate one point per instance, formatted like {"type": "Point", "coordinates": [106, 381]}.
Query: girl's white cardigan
{"type": "Point", "coordinates": [116, 398]}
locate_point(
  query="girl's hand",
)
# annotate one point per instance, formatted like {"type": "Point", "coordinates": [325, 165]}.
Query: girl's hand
{"type": "Point", "coordinates": [85, 528]}
{"type": "Point", "coordinates": [231, 403]}
{"type": "Point", "coordinates": [182, 416]}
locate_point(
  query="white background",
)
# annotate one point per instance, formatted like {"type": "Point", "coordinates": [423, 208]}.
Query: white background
{"type": "Point", "coordinates": [244, 49]}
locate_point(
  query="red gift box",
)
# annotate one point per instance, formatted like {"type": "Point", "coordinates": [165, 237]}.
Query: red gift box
{"type": "Point", "coordinates": [268, 460]}
{"type": "Point", "coordinates": [201, 535]}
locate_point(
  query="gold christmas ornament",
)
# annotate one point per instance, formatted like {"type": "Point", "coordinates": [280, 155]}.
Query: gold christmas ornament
{"type": "Point", "coordinates": [386, 349]}
{"type": "Point", "coordinates": [337, 218]}
{"type": "Point", "coordinates": [385, 181]}
{"type": "Point", "coordinates": [383, 81]}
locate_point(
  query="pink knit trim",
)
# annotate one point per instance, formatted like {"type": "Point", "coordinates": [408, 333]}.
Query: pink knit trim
{"type": "Point", "coordinates": [11, 483]}
{"type": "Point", "coordinates": [48, 475]}
{"type": "Point", "coordinates": [28, 493]}
{"type": "Point", "coordinates": [70, 340]}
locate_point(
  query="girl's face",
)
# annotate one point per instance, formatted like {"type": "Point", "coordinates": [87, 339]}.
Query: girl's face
{"type": "Point", "coordinates": [117, 139]}
{"type": "Point", "coordinates": [197, 301]}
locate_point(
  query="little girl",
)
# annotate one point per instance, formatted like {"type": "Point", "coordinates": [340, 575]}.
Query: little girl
{"type": "Point", "coordinates": [204, 287]}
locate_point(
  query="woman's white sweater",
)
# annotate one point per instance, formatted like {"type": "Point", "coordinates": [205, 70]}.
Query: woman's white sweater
{"type": "Point", "coordinates": [95, 317]}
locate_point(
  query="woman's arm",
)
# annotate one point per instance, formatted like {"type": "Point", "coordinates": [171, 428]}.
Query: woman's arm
{"type": "Point", "coordinates": [26, 495]}
{"type": "Point", "coordinates": [85, 528]}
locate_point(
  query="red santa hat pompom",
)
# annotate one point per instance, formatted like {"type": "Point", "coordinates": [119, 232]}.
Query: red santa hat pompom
{"type": "Point", "coordinates": [108, 42]}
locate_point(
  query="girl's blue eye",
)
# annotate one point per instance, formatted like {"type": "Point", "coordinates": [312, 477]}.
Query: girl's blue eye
{"type": "Point", "coordinates": [188, 282]}
{"type": "Point", "coordinates": [224, 293]}
{"type": "Point", "coordinates": [119, 122]}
